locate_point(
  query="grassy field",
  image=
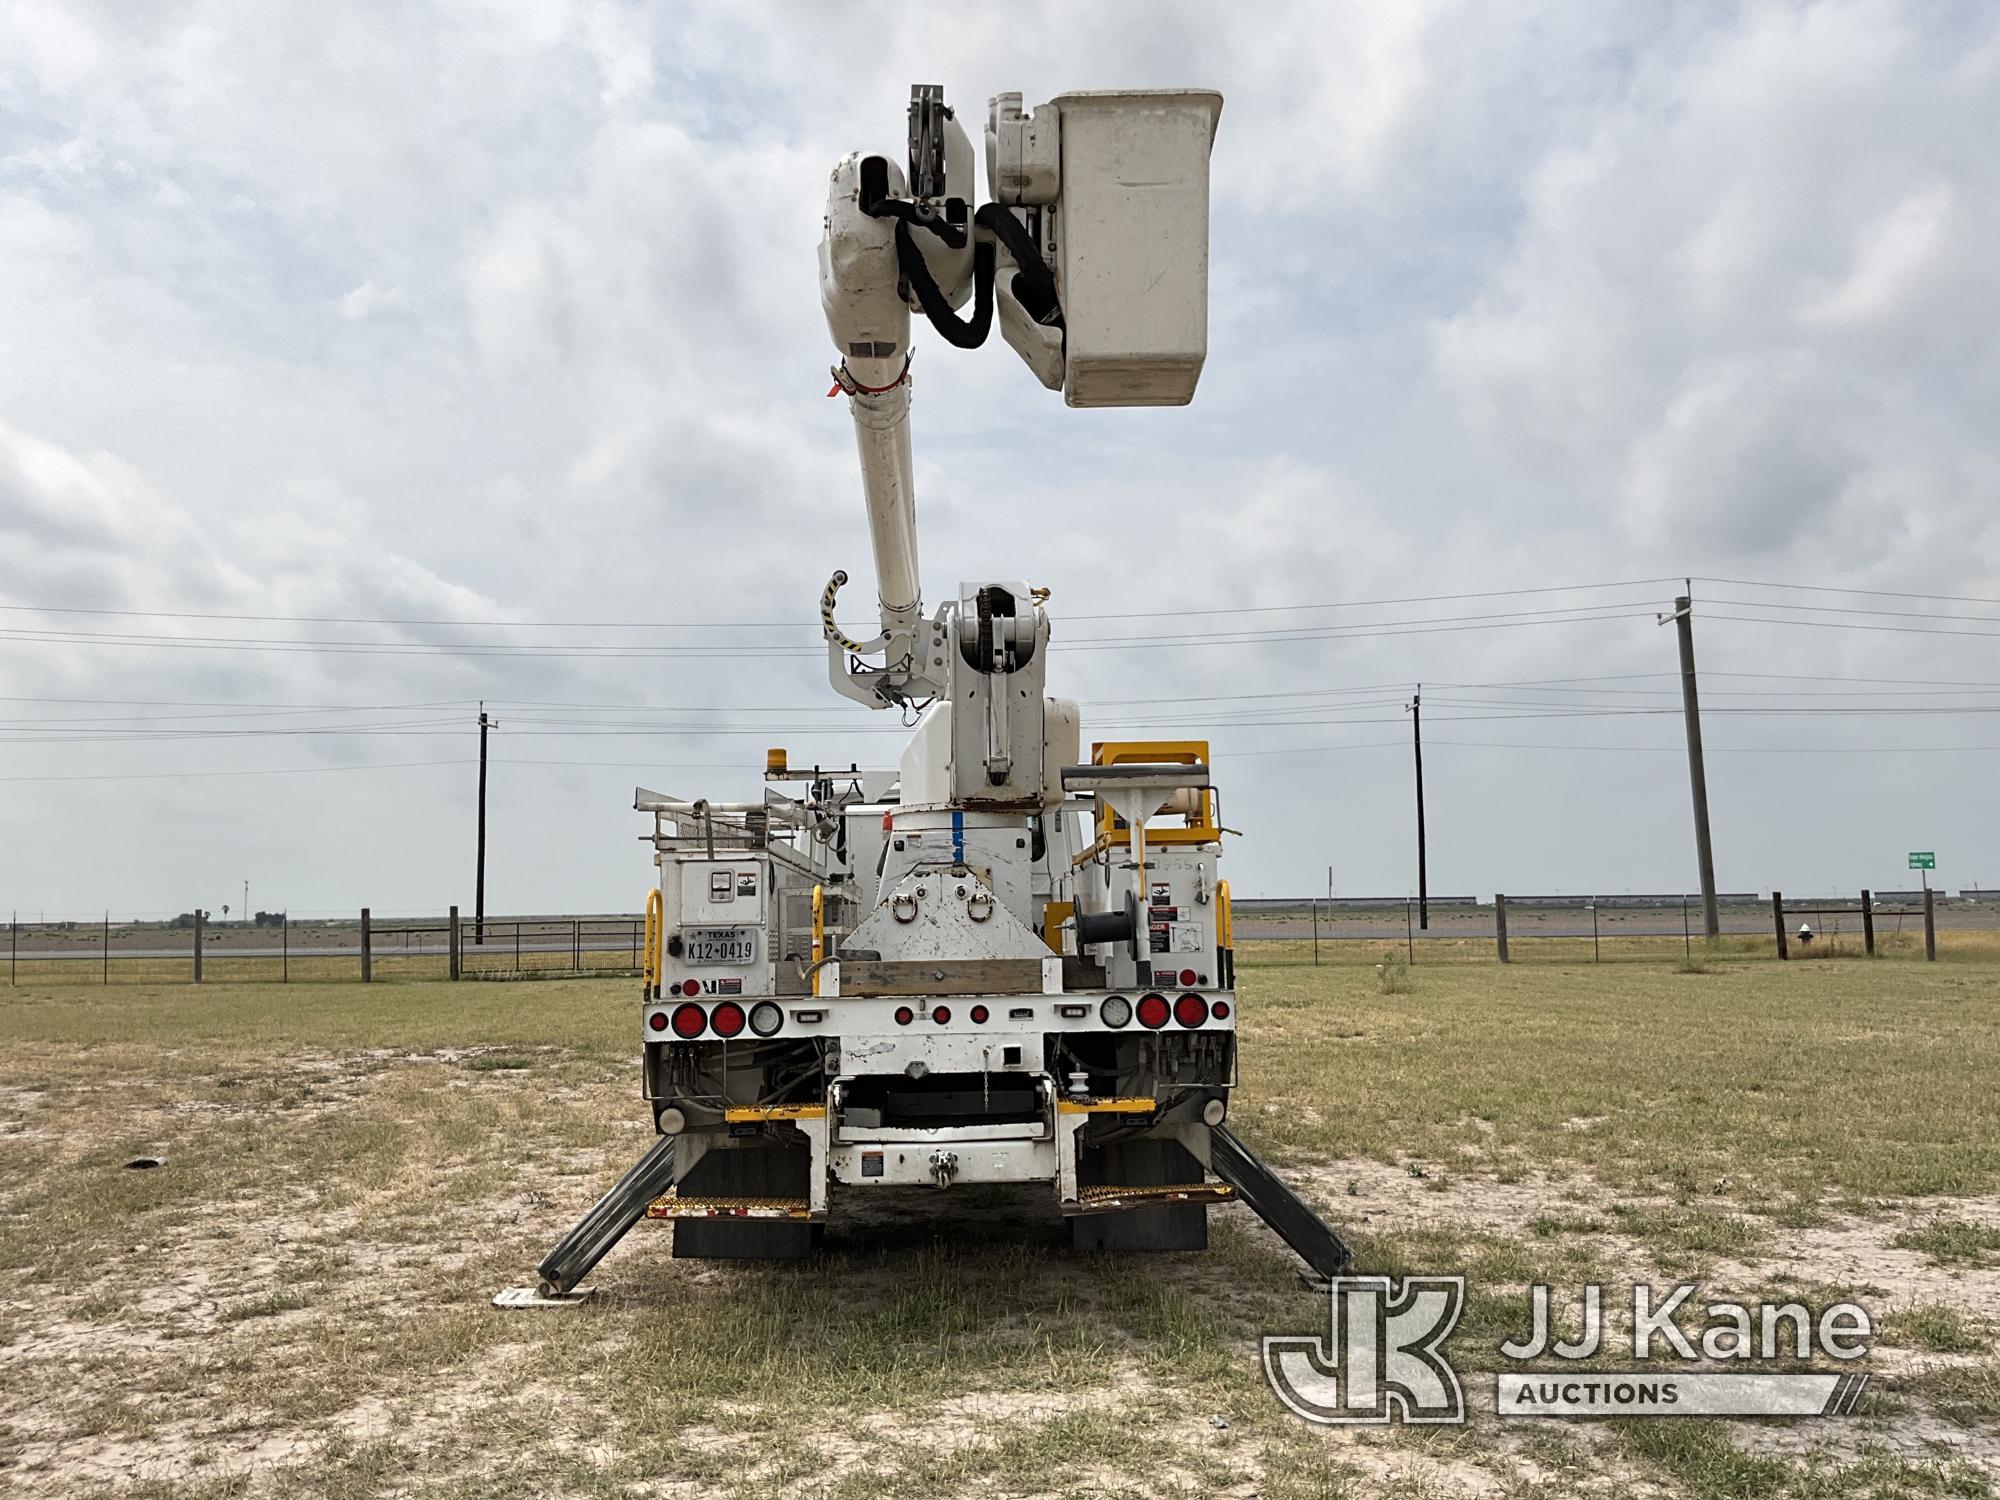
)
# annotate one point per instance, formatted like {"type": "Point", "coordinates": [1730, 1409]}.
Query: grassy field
{"type": "Point", "coordinates": [295, 1304]}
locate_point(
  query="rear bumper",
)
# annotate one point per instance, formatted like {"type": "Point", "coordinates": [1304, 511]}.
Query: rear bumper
{"type": "Point", "coordinates": [1045, 1149]}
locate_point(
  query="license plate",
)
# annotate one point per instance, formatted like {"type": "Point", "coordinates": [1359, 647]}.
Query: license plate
{"type": "Point", "coordinates": [719, 945]}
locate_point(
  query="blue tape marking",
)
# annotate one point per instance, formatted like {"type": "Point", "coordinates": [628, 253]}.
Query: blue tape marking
{"type": "Point", "coordinates": [958, 838]}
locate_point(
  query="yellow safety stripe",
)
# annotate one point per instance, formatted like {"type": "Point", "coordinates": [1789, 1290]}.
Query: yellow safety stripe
{"type": "Point", "coordinates": [740, 1114]}
{"type": "Point", "coordinates": [1106, 1106]}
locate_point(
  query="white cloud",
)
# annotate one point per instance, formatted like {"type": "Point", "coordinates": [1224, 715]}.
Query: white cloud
{"type": "Point", "coordinates": [1893, 256]}
{"type": "Point", "coordinates": [1501, 299]}
{"type": "Point", "coordinates": [366, 299]}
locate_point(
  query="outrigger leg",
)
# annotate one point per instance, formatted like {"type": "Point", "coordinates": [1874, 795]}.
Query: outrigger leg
{"type": "Point", "coordinates": [1277, 1205]}
{"type": "Point", "coordinates": [605, 1225]}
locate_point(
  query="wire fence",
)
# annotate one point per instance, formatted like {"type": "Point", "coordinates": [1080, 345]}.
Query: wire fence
{"type": "Point", "coordinates": [194, 949]}
{"type": "Point", "coordinates": [275, 949]}
{"type": "Point", "coordinates": [1622, 929]}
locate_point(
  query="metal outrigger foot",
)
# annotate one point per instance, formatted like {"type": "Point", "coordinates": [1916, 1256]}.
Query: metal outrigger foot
{"type": "Point", "coordinates": [1277, 1205]}
{"type": "Point", "coordinates": [605, 1225]}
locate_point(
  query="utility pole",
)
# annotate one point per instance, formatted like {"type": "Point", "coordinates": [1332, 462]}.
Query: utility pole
{"type": "Point", "coordinates": [1711, 921]}
{"type": "Point", "coordinates": [1423, 872]}
{"type": "Point", "coordinates": [479, 882]}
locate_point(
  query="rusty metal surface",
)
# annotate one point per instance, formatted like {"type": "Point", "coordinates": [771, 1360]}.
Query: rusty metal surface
{"type": "Point", "coordinates": [671, 1205]}
{"type": "Point", "coordinates": [1107, 1196]}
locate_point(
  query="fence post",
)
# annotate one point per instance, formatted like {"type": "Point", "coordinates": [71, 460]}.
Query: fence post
{"type": "Point", "coordinates": [107, 947]}
{"type": "Point", "coordinates": [1930, 923]}
{"type": "Point", "coordinates": [198, 915]}
{"type": "Point", "coordinates": [1778, 917]}
{"type": "Point", "coordinates": [1596, 950]}
{"type": "Point", "coordinates": [367, 949]}
{"type": "Point", "coordinates": [1409, 932]}
{"type": "Point", "coordinates": [285, 948]}
{"type": "Point", "coordinates": [1687, 935]}
{"type": "Point", "coordinates": [1500, 925]}
{"type": "Point", "coordinates": [13, 946]}
{"type": "Point", "coordinates": [576, 944]}
{"type": "Point", "coordinates": [451, 946]}
{"type": "Point", "coordinates": [1315, 932]}
{"type": "Point", "coordinates": [1868, 922]}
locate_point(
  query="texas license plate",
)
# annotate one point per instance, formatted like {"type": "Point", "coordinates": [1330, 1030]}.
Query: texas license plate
{"type": "Point", "coordinates": [719, 945]}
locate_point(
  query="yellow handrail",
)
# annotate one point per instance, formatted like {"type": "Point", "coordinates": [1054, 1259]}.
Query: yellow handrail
{"type": "Point", "coordinates": [656, 913]}
{"type": "Point", "coordinates": [819, 934]}
{"type": "Point", "coordinates": [1225, 924]}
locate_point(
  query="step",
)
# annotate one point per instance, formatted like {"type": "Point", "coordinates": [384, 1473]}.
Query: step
{"type": "Point", "coordinates": [1105, 1197]}
{"type": "Point", "coordinates": [671, 1205]}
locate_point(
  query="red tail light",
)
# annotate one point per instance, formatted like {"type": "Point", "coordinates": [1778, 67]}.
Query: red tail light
{"type": "Point", "coordinates": [690, 986]}
{"type": "Point", "coordinates": [904, 1015]}
{"type": "Point", "coordinates": [657, 1020]}
{"type": "Point", "coordinates": [979, 1014]}
{"type": "Point", "coordinates": [1189, 979]}
{"type": "Point", "coordinates": [1220, 1010]}
{"type": "Point", "coordinates": [688, 1020]}
{"type": "Point", "coordinates": [1190, 1011]}
{"type": "Point", "coordinates": [941, 1014]}
{"type": "Point", "coordinates": [1153, 1011]}
{"type": "Point", "coordinates": [727, 1019]}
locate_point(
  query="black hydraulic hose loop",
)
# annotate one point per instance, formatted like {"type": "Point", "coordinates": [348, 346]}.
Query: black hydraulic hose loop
{"type": "Point", "coordinates": [1035, 286]}
{"type": "Point", "coordinates": [905, 212]}
{"type": "Point", "coordinates": [970, 333]}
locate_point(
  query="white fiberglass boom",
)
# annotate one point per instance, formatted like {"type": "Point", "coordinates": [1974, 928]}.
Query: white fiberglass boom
{"type": "Point", "coordinates": [1094, 250]}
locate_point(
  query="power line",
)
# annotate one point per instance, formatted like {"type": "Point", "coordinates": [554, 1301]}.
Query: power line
{"type": "Point", "coordinates": [1988, 635]}
{"type": "Point", "coordinates": [1822, 588]}
{"type": "Point", "coordinates": [802, 622]}
{"type": "Point", "coordinates": [631, 652]}
{"type": "Point", "coordinates": [382, 765]}
{"type": "Point", "coordinates": [1852, 609]}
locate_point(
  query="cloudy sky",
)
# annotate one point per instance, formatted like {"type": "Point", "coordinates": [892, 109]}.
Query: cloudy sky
{"type": "Point", "coordinates": [502, 319]}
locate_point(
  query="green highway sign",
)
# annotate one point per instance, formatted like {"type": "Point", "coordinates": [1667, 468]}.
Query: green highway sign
{"type": "Point", "coordinates": [1922, 859]}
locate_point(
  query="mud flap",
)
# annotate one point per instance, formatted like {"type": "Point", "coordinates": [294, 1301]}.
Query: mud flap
{"type": "Point", "coordinates": [1166, 1226]}
{"type": "Point", "coordinates": [747, 1172]}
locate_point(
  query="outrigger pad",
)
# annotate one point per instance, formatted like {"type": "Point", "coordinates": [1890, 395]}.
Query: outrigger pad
{"type": "Point", "coordinates": [1166, 1226]}
{"type": "Point", "coordinates": [746, 1172]}
{"type": "Point", "coordinates": [515, 1298]}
